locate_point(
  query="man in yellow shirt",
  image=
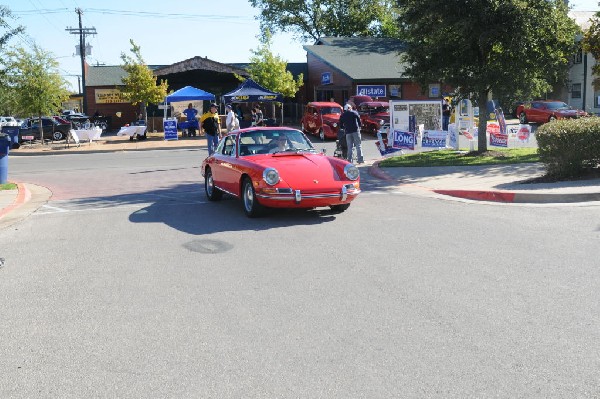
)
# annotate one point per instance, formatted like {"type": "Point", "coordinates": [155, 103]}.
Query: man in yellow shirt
{"type": "Point", "coordinates": [212, 127]}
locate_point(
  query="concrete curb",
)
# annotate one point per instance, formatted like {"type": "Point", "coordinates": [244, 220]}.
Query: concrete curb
{"type": "Point", "coordinates": [30, 198]}
{"type": "Point", "coordinates": [515, 197]}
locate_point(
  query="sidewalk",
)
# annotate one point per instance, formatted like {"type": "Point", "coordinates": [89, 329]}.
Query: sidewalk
{"type": "Point", "coordinates": [495, 183]}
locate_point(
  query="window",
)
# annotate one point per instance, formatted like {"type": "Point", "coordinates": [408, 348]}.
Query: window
{"type": "Point", "coordinates": [597, 99]}
{"type": "Point", "coordinates": [434, 90]}
{"type": "Point", "coordinates": [578, 56]}
{"type": "Point", "coordinates": [576, 90]}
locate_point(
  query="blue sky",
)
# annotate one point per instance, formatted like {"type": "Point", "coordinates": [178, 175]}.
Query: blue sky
{"type": "Point", "coordinates": [166, 31]}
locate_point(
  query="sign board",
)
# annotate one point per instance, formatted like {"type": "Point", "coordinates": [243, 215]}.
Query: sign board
{"type": "Point", "coordinates": [109, 96]}
{"type": "Point", "coordinates": [403, 139]}
{"type": "Point", "coordinates": [434, 138]}
{"type": "Point", "coordinates": [170, 127]}
{"type": "Point", "coordinates": [395, 90]}
{"type": "Point", "coordinates": [326, 78]}
{"type": "Point", "coordinates": [371, 90]}
{"type": "Point", "coordinates": [452, 136]}
{"type": "Point", "coordinates": [426, 113]}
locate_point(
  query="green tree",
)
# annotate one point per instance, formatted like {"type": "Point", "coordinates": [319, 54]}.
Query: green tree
{"type": "Point", "coordinates": [270, 71]}
{"type": "Point", "coordinates": [591, 44]}
{"type": "Point", "coordinates": [139, 86]}
{"type": "Point", "coordinates": [7, 104]}
{"type": "Point", "coordinates": [36, 85]}
{"type": "Point", "coordinates": [313, 19]}
{"type": "Point", "coordinates": [485, 46]}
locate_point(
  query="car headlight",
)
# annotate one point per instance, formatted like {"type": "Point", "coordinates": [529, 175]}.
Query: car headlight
{"type": "Point", "coordinates": [351, 171]}
{"type": "Point", "coordinates": [334, 124]}
{"type": "Point", "coordinates": [271, 176]}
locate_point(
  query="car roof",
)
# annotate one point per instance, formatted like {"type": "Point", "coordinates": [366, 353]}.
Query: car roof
{"type": "Point", "coordinates": [375, 104]}
{"type": "Point", "coordinates": [324, 104]}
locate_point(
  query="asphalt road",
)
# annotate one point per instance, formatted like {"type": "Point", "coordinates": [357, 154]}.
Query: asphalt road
{"type": "Point", "coordinates": [129, 283]}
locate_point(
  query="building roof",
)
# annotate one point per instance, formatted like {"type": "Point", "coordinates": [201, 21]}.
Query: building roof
{"type": "Point", "coordinates": [102, 75]}
{"type": "Point", "coordinates": [295, 68]}
{"type": "Point", "coordinates": [199, 63]}
{"type": "Point", "coordinates": [361, 58]}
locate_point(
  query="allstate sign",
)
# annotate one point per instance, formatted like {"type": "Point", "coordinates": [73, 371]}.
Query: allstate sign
{"type": "Point", "coordinates": [326, 78]}
{"type": "Point", "coordinates": [371, 90]}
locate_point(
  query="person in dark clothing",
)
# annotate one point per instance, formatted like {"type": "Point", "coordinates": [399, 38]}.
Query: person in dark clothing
{"type": "Point", "coordinates": [211, 125]}
{"type": "Point", "coordinates": [445, 115]}
{"type": "Point", "coordinates": [350, 122]}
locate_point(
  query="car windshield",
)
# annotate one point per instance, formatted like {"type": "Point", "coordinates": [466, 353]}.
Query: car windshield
{"type": "Point", "coordinates": [273, 141]}
{"type": "Point", "coordinates": [557, 105]}
{"type": "Point", "coordinates": [330, 110]}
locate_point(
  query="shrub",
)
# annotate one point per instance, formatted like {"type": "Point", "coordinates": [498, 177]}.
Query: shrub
{"type": "Point", "coordinates": [569, 147]}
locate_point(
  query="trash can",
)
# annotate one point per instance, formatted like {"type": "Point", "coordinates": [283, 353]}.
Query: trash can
{"type": "Point", "coordinates": [5, 144]}
{"type": "Point", "coordinates": [13, 133]}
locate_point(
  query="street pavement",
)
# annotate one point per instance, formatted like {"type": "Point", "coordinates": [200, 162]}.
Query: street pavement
{"type": "Point", "coordinates": [491, 183]}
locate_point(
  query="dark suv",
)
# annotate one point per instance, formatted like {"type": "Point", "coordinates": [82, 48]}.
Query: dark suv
{"type": "Point", "coordinates": [52, 128]}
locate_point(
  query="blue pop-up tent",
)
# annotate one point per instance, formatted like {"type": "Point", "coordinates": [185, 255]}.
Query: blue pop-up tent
{"type": "Point", "coordinates": [189, 93]}
{"type": "Point", "coordinates": [250, 91]}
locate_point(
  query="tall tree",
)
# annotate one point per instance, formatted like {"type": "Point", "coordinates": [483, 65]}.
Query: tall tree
{"type": "Point", "coordinates": [591, 44]}
{"type": "Point", "coordinates": [313, 19]}
{"type": "Point", "coordinates": [139, 86]}
{"type": "Point", "coordinates": [7, 104]}
{"type": "Point", "coordinates": [485, 46]}
{"type": "Point", "coordinates": [34, 80]}
{"type": "Point", "coordinates": [270, 71]}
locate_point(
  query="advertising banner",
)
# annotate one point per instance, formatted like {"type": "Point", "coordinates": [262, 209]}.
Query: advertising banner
{"type": "Point", "coordinates": [403, 139]}
{"type": "Point", "coordinates": [371, 90]}
{"type": "Point", "coordinates": [452, 136]}
{"type": "Point", "coordinates": [170, 127]}
{"type": "Point", "coordinates": [434, 138]}
{"type": "Point", "coordinates": [109, 96]}
{"type": "Point", "coordinates": [497, 139]}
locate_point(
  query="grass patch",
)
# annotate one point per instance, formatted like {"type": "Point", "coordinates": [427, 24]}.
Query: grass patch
{"type": "Point", "coordinates": [460, 158]}
{"type": "Point", "coordinates": [8, 186]}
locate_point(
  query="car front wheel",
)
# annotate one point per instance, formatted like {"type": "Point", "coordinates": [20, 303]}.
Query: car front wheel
{"type": "Point", "coordinates": [523, 118]}
{"type": "Point", "coordinates": [212, 193]}
{"type": "Point", "coordinates": [552, 118]}
{"type": "Point", "coordinates": [251, 206]}
{"type": "Point", "coordinates": [57, 136]}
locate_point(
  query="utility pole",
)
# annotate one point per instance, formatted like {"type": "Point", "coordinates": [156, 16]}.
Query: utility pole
{"type": "Point", "coordinates": [82, 32]}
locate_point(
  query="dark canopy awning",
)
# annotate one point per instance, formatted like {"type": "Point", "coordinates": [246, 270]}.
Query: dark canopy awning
{"type": "Point", "coordinates": [250, 91]}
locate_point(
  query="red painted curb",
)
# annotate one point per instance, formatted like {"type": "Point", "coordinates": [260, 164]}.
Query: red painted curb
{"type": "Point", "coordinates": [375, 171]}
{"type": "Point", "coordinates": [23, 196]}
{"type": "Point", "coordinates": [494, 196]}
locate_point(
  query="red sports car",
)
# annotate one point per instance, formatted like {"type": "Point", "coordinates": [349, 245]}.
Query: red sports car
{"type": "Point", "coordinates": [322, 118]}
{"type": "Point", "coordinates": [373, 115]}
{"type": "Point", "coordinates": [546, 111]}
{"type": "Point", "coordinates": [278, 167]}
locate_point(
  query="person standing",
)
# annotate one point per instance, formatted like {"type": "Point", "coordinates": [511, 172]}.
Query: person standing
{"type": "Point", "coordinates": [190, 115]}
{"type": "Point", "coordinates": [258, 115]}
{"type": "Point", "coordinates": [350, 122]}
{"type": "Point", "coordinates": [445, 115]}
{"type": "Point", "coordinates": [211, 124]}
{"type": "Point", "coordinates": [231, 120]}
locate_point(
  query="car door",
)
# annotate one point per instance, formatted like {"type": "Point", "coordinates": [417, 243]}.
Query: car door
{"type": "Point", "coordinates": [538, 113]}
{"type": "Point", "coordinates": [226, 173]}
{"type": "Point", "coordinates": [311, 119]}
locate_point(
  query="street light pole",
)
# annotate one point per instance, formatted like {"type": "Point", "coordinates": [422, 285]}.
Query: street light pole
{"type": "Point", "coordinates": [82, 32]}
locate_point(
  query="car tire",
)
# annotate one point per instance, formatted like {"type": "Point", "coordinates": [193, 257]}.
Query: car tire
{"type": "Point", "coordinates": [250, 204]}
{"type": "Point", "coordinates": [522, 118]}
{"type": "Point", "coordinates": [551, 118]}
{"type": "Point", "coordinates": [212, 193]}
{"type": "Point", "coordinates": [57, 135]}
{"type": "Point", "coordinates": [322, 134]}
{"type": "Point", "coordinates": [339, 208]}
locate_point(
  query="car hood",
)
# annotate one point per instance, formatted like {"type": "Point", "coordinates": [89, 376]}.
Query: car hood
{"type": "Point", "coordinates": [299, 168]}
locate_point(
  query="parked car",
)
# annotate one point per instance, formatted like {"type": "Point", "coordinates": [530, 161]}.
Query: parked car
{"type": "Point", "coordinates": [373, 115]}
{"type": "Point", "coordinates": [278, 167]}
{"type": "Point", "coordinates": [322, 119]}
{"type": "Point", "coordinates": [8, 121]}
{"type": "Point", "coordinates": [359, 99]}
{"type": "Point", "coordinates": [546, 111]}
{"type": "Point", "coordinates": [52, 128]}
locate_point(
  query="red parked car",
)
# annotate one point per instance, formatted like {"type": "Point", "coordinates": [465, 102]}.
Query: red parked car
{"type": "Point", "coordinates": [373, 115]}
{"type": "Point", "coordinates": [546, 111]}
{"type": "Point", "coordinates": [277, 167]}
{"type": "Point", "coordinates": [322, 119]}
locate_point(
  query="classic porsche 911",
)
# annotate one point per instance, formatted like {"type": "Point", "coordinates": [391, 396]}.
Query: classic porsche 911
{"type": "Point", "coordinates": [278, 167]}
